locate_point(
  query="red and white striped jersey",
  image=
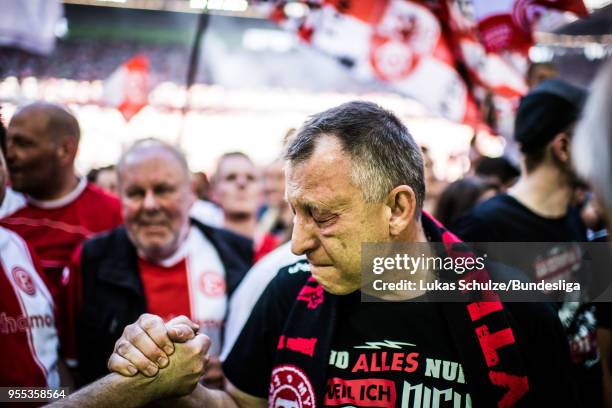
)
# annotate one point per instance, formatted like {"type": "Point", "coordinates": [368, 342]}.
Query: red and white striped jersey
{"type": "Point", "coordinates": [28, 337]}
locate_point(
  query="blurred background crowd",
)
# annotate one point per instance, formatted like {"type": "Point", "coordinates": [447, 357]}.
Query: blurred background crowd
{"type": "Point", "coordinates": [226, 83]}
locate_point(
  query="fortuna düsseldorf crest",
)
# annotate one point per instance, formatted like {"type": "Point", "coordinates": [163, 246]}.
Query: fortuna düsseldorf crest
{"type": "Point", "coordinates": [290, 388]}
{"type": "Point", "coordinates": [212, 284]}
{"type": "Point", "coordinates": [24, 280]}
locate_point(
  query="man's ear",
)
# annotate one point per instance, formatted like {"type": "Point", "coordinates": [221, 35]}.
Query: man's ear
{"type": "Point", "coordinates": [67, 150]}
{"type": "Point", "coordinates": [191, 197]}
{"type": "Point", "coordinates": [561, 146]}
{"type": "Point", "coordinates": [402, 203]}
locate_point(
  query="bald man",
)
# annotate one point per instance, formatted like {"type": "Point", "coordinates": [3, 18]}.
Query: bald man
{"type": "Point", "coordinates": [160, 262]}
{"type": "Point", "coordinates": [61, 209]}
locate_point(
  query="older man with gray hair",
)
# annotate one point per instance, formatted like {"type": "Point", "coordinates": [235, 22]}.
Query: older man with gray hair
{"type": "Point", "coordinates": [355, 175]}
{"type": "Point", "coordinates": [159, 262]}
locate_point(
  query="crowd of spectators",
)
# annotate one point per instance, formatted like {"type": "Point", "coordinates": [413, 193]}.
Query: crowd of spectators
{"type": "Point", "coordinates": [90, 59]}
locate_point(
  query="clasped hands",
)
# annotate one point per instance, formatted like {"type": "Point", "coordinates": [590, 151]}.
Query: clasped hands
{"type": "Point", "coordinates": [172, 355]}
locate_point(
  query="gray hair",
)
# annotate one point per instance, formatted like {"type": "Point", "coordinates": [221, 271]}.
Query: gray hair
{"type": "Point", "coordinates": [592, 142]}
{"type": "Point", "coordinates": [383, 153]}
{"type": "Point", "coordinates": [153, 144]}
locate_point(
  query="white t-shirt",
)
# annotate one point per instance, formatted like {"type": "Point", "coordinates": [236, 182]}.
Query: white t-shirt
{"type": "Point", "coordinates": [12, 202]}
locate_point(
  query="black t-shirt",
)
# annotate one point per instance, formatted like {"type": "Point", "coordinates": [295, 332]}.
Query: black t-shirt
{"type": "Point", "coordinates": [604, 315]}
{"type": "Point", "coordinates": [504, 219]}
{"type": "Point", "coordinates": [402, 352]}
{"type": "Point", "coordinates": [555, 257]}
{"type": "Point", "coordinates": [392, 355]}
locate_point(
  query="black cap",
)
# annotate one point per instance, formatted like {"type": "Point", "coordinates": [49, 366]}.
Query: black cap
{"type": "Point", "coordinates": [546, 111]}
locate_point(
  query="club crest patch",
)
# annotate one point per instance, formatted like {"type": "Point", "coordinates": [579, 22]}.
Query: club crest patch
{"type": "Point", "coordinates": [290, 388]}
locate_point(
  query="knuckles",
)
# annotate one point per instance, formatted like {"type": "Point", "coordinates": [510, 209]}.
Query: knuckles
{"type": "Point", "coordinates": [130, 328]}
{"type": "Point", "coordinates": [198, 346]}
{"type": "Point", "coordinates": [122, 347]}
{"type": "Point", "coordinates": [149, 322]}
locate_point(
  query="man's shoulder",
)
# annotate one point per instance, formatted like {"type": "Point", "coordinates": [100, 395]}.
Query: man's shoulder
{"type": "Point", "coordinates": [291, 278]}
{"type": "Point", "coordinates": [102, 199]}
{"type": "Point", "coordinates": [491, 208]}
{"type": "Point", "coordinates": [287, 281]}
{"type": "Point", "coordinates": [106, 243]}
{"type": "Point", "coordinates": [479, 223]}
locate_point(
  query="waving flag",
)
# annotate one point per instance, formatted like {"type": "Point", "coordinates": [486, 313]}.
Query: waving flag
{"type": "Point", "coordinates": [127, 88]}
{"type": "Point", "coordinates": [396, 41]}
{"type": "Point", "coordinates": [431, 51]}
{"type": "Point", "coordinates": [509, 24]}
{"type": "Point", "coordinates": [497, 80]}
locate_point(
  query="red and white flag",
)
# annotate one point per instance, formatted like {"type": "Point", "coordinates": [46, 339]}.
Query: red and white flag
{"type": "Point", "coordinates": [497, 80]}
{"type": "Point", "coordinates": [127, 88]}
{"type": "Point", "coordinates": [396, 41]}
{"type": "Point", "coordinates": [509, 24]}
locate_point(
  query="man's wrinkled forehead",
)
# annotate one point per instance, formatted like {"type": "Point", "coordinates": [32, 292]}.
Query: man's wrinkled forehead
{"type": "Point", "coordinates": [320, 181]}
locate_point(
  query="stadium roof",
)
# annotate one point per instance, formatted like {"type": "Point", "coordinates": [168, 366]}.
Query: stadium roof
{"type": "Point", "coordinates": [239, 8]}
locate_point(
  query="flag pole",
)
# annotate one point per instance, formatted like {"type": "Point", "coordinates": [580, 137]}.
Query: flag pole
{"type": "Point", "coordinates": [192, 70]}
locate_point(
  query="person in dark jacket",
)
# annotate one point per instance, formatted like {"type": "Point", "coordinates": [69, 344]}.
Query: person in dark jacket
{"type": "Point", "coordinates": [159, 262]}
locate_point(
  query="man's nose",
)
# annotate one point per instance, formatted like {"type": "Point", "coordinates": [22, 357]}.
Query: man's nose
{"type": "Point", "coordinates": [303, 237]}
{"type": "Point", "coordinates": [242, 182]}
{"type": "Point", "coordinates": [150, 201]}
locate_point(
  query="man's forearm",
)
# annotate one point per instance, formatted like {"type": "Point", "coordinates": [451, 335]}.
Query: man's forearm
{"type": "Point", "coordinates": [203, 397]}
{"type": "Point", "coordinates": [113, 390]}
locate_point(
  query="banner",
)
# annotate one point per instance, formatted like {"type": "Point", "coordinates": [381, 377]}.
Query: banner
{"type": "Point", "coordinates": [509, 24]}
{"type": "Point", "coordinates": [497, 80]}
{"type": "Point", "coordinates": [127, 88]}
{"type": "Point", "coordinates": [396, 41]}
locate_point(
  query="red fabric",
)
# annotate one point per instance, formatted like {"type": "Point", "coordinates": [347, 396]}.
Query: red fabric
{"type": "Point", "coordinates": [20, 367]}
{"type": "Point", "coordinates": [368, 11]}
{"type": "Point", "coordinates": [512, 28]}
{"type": "Point", "coordinates": [55, 233]}
{"type": "Point", "coordinates": [69, 305]}
{"type": "Point", "coordinates": [166, 289]}
{"type": "Point", "coordinates": [267, 244]}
